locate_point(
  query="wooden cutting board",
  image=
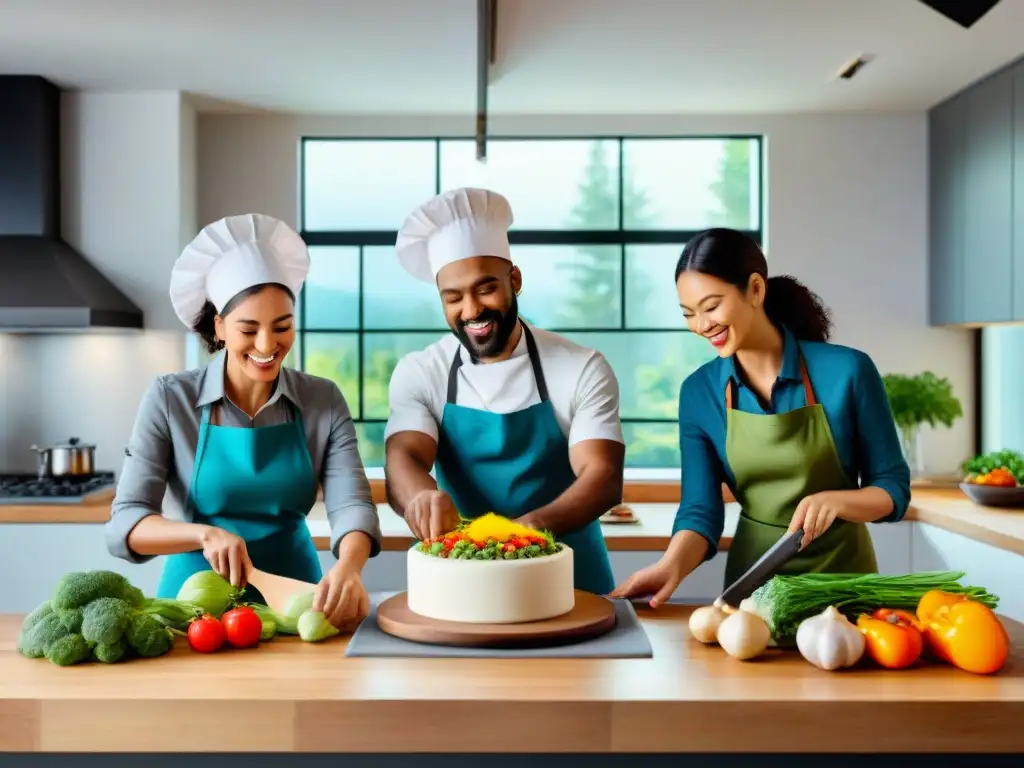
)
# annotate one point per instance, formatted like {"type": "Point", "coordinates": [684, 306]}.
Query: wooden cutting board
{"type": "Point", "coordinates": [592, 616]}
{"type": "Point", "coordinates": [277, 590]}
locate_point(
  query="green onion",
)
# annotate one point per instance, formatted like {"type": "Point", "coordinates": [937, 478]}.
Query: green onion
{"type": "Point", "coordinates": [785, 601]}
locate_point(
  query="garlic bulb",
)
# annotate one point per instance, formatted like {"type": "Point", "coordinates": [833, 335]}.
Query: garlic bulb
{"type": "Point", "coordinates": [829, 641]}
{"type": "Point", "coordinates": [704, 623]}
{"type": "Point", "coordinates": [744, 635]}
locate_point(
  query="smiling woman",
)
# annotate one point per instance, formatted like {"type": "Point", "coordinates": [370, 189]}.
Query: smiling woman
{"type": "Point", "coordinates": [242, 444]}
{"type": "Point", "coordinates": [798, 428]}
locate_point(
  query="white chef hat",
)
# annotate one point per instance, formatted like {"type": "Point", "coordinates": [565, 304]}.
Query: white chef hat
{"type": "Point", "coordinates": [458, 224]}
{"type": "Point", "coordinates": [233, 254]}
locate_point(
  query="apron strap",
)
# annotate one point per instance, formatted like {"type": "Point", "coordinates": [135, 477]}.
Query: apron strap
{"type": "Point", "coordinates": [531, 348]}
{"type": "Point", "coordinates": [730, 388]}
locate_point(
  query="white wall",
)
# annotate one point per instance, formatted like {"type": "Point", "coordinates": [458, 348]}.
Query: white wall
{"type": "Point", "coordinates": [847, 213]}
{"type": "Point", "coordinates": [128, 203]}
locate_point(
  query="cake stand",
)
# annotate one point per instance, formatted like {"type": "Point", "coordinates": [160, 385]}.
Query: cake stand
{"type": "Point", "coordinates": [591, 617]}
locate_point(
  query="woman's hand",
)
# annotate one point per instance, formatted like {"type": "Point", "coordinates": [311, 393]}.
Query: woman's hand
{"type": "Point", "coordinates": [342, 598]}
{"type": "Point", "coordinates": [815, 514]}
{"type": "Point", "coordinates": [660, 579]}
{"type": "Point", "coordinates": [227, 555]}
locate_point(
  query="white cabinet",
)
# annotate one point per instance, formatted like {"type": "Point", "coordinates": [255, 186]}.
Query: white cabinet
{"type": "Point", "coordinates": [33, 557]}
{"type": "Point", "coordinates": [997, 570]}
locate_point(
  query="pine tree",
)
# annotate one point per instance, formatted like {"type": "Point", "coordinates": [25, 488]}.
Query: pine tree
{"type": "Point", "coordinates": [594, 276]}
{"type": "Point", "coordinates": [733, 188]}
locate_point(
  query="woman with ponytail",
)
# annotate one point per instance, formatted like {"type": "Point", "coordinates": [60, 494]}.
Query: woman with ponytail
{"type": "Point", "coordinates": [798, 428]}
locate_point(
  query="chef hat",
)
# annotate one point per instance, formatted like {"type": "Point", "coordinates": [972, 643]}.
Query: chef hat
{"type": "Point", "coordinates": [231, 255]}
{"type": "Point", "coordinates": [454, 225]}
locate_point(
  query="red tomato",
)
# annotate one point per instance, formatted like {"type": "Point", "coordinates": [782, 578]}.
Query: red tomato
{"type": "Point", "coordinates": [206, 635]}
{"type": "Point", "coordinates": [242, 627]}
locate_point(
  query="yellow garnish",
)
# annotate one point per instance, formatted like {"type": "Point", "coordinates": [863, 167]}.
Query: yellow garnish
{"type": "Point", "coordinates": [492, 526]}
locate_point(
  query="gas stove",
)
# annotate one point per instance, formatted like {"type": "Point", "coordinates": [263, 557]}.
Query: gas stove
{"type": "Point", "coordinates": [31, 489]}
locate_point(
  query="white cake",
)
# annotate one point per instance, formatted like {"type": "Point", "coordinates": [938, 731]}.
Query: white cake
{"type": "Point", "coordinates": [491, 591]}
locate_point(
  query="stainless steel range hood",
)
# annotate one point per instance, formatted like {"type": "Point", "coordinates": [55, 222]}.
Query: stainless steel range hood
{"type": "Point", "coordinates": [45, 284]}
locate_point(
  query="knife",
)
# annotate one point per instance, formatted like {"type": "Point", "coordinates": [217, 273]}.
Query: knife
{"type": "Point", "coordinates": [760, 572]}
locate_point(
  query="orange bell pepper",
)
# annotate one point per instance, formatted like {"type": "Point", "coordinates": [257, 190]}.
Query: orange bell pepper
{"type": "Point", "coordinates": [963, 632]}
{"type": "Point", "coordinates": [927, 606]}
{"type": "Point", "coordinates": [892, 637]}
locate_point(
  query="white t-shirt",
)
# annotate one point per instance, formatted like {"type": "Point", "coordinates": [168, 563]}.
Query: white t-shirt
{"type": "Point", "coordinates": [582, 387]}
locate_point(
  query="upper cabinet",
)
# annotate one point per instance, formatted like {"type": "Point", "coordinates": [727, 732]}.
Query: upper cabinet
{"type": "Point", "coordinates": [976, 203]}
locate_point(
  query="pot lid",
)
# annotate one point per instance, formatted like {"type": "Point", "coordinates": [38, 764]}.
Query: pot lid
{"type": "Point", "coordinates": [74, 442]}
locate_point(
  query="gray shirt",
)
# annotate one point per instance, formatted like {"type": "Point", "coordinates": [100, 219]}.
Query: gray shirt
{"type": "Point", "coordinates": [161, 453]}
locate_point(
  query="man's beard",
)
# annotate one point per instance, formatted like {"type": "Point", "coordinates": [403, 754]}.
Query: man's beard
{"type": "Point", "coordinates": [494, 343]}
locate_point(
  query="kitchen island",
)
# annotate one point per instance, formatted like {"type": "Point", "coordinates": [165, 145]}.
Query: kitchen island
{"type": "Point", "coordinates": [288, 696]}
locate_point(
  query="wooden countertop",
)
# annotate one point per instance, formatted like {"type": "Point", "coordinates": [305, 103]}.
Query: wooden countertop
{"type": "Point", "coordinates": [946, 508]}
{"type": "Point", "coordinates": [687, 698]}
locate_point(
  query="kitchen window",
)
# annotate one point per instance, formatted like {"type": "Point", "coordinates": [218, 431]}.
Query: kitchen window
{"type": "Point", "coordinates": [599, 225]}
{"type": "Point", "coordinates": [1001, 374]}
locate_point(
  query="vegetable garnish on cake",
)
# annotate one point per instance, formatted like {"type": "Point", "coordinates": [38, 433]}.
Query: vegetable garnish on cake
{"type": "Point", "coordinates": [491, 537]}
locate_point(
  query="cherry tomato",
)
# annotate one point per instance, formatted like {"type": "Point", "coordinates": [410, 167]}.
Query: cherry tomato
{"type": "Point", "coordinates": [242, 627]}
{"type": "Point", "coordinates": [206, 634]}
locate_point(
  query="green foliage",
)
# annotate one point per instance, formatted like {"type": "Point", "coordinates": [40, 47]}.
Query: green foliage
{"type": "Point", "coordinates": [594, 276]}
{"type": "Point", "coordinates": [921, 399]}
{"type": "Point", "coordinates": [986, 462]}
{"type": "Point", "coordinates": [733, 188]}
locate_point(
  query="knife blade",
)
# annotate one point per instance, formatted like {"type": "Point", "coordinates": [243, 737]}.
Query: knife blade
{"type": "Point", "coordinates": [760, 572]}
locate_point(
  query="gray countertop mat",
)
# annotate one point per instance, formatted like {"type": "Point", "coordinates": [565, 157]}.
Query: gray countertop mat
{"type": "Point", "coordinates": [626, 641]}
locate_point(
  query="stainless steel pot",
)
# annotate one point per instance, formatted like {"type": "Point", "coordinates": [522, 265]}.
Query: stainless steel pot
{"type": "Point", "coordinates": [74, 459]}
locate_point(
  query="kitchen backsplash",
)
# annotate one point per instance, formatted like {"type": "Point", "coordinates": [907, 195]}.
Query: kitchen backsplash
{"type": "Point", "coordinates": [87, 386]}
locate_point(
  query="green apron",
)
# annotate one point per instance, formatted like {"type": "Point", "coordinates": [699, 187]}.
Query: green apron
{"type": "Point", "coordinates": [776, 461]}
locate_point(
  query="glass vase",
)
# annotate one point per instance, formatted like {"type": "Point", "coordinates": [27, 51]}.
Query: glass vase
{"type": "Point", "coordinates": [913, 452]}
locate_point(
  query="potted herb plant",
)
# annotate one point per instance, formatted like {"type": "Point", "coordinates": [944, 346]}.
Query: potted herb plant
{"type": "Point", "coordinates": [916, 401]}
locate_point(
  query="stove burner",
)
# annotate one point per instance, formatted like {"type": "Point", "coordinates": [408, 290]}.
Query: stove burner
{"type": "Point", "coordinates": [26, 488]}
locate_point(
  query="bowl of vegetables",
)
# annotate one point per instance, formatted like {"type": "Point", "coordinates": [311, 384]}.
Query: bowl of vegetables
{"type": "Point", "coordinates": [995, 479]}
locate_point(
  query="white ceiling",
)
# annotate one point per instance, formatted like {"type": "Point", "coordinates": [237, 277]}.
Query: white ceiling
{"type": "Point", "coordinates": [554, 56]}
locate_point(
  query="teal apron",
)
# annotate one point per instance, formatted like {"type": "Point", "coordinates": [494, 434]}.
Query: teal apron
{"type": "Point", "coordinates": [514, 463]}
{"type": "Point", "coordinates": [259, 485]}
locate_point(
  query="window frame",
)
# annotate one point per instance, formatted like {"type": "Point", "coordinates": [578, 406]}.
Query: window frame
{"type": "Point", "coordinates": [619, 237]}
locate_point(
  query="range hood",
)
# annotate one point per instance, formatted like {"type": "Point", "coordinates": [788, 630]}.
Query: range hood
{"type": "Point", "coordinates": [45, 284]}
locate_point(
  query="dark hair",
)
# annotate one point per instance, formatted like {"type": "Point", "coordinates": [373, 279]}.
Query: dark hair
{"type": "Point", "coordinates": [733, 257]}
{"type": "Point", "coordinates": [206, 327]}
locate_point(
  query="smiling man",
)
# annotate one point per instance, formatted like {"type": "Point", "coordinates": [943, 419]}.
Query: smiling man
{"type": "Point", "coordinates": [514, 419]}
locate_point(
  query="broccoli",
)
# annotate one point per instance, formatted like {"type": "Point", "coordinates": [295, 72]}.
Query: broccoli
{"type": "Point", "coordinates": [105, 619]}
{"type": "Point", "coordinates": [71, 619]}
{"type": "Point", "coordinates": [79, 588]}
{"type": "Point", "coordinates": [101, 616]}
{"type": "Point", "coordinates": [147, 636]}
{"type": "Point", "coordinates": [36, 616]}
{"type": "Point", "coordinates": [110, 653]}
{"type": "Point", "coordinates": [36, 642]}
{"type": "Point", "coordinates": [68, 650]}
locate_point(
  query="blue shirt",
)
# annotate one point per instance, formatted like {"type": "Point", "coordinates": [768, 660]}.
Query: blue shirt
{"type": "Point", "coordinates": [850, 390]}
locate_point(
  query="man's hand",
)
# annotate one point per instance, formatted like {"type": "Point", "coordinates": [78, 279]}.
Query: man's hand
{"type": "Point", "coordinates": [815, 513]}
{"type": "Point", "coordinates": [431, 513]}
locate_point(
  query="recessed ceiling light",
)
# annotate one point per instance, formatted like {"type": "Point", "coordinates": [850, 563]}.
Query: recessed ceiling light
{"type": "Point", "coordinates": [854, 66]}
